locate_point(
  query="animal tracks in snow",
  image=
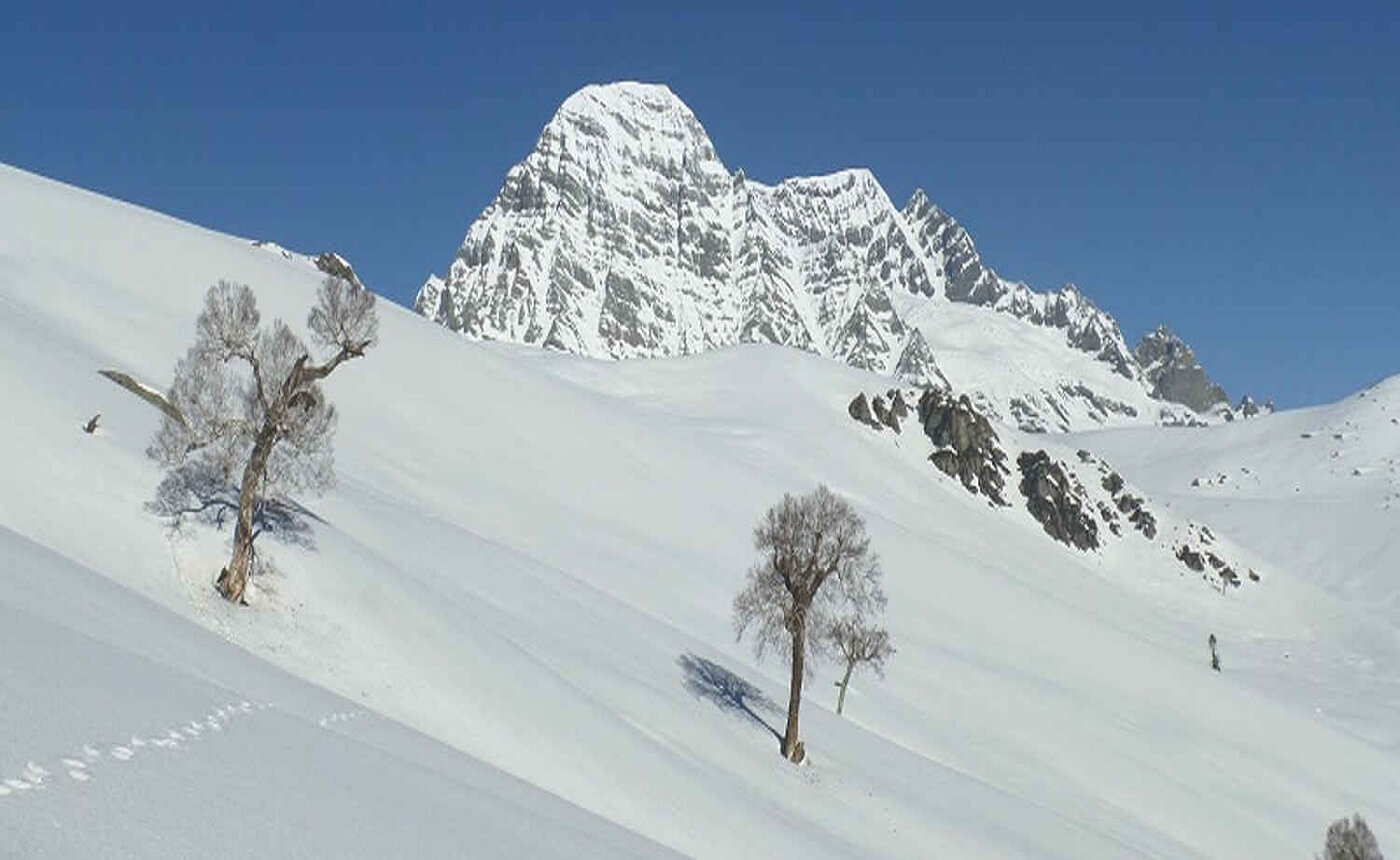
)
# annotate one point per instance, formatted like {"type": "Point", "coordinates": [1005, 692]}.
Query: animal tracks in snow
{"type": "Point", "coordinates": [85, 762]}
{"type": "Point", "coordinates": [343, 716]}
{"type": "Point", "coordinates": [81, 765]}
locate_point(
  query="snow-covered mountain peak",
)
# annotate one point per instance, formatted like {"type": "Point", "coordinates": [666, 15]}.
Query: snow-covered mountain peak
{"type": "Point", "coordinates": [631, 114]}
{"type": "Point", "coordinates": [622, 234]}
{"type": "Point", "coordinates": [623, 98]}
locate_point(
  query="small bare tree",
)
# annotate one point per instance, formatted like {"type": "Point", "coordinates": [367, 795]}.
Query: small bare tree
{"type": "Point", "coordinates": [250, 424]}
{"type": "Point", "coordinates": [816, 567]}
{"type": "Point", "coordinates": [858, 641]}
{"type": "Point", "coordinates": [1351, 839]}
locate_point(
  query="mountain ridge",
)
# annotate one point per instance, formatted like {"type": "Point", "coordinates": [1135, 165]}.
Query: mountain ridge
{"type": "Point", "coordinates": [622, 234]}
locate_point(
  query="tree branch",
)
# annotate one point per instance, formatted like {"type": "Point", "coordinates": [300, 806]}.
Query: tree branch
{"type": "Point", "coordinates": [347, 351]}
{"type": "Point", "coordinates": [209, 503]}
{"type": "Point", "coordinates": [257, 378]}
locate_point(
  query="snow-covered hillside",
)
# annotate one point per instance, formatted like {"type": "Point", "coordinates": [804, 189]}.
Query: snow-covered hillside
{"type": "Point", "coordinates": [130, 732]}
{"type": "Point", "coordinates": [1315, 491]}
{"type": "Point", "coordinates": [622, 234]}
{"type": "Point", "coordinates": [512, 635]}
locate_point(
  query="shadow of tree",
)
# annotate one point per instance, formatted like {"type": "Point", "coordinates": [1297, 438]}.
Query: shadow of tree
{"type": "Point", "coordinates": [202, 498]}
{"type": "Point", "coordinates": [706, 679]}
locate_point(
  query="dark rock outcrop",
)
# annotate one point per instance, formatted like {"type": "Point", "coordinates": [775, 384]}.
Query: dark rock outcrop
{"type": "Point", "coordinates": [886, 410]}
{"type": "Point", "coordinates": [1110, 518]}
{"type": "Point", "coordinates": [859, 409]}
{"type": "Point", "coordinates": [898, 408]}
{"type": "Point", "coordinates": [1223, 570]}
{"type": "Point", "coordinates": [1056, 502]}
{"type": "Point", "coordinates": [967, 447]}
{"type": "Point", "coordinates": [1189, 557]}
{"type": "Point", "coordinates": [880, 410]}
{"type": "Point", "coordinates": [1141, 518]}
{"type": "Point", "coordinates": [1171, 369]}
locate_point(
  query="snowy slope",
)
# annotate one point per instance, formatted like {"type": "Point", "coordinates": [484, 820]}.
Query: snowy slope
{"type": "Point", "coordinates": [530, 559]}
{"type": "Point", "coordinates": [1314, 490]}
{"type": "Point", "coordinates": [1328, 477]}
{"type": "Point", "coordinates": [622, 234]}
{"type": "Point", "coordinates": [126, 728]}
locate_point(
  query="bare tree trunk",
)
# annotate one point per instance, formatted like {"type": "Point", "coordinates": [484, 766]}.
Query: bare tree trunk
{"type": "Point", "coordinates": [799, 647]}
{"type": "Point", "coordinates": [845, 681]}
{"type": "Point", "coordinates": [233, 580]}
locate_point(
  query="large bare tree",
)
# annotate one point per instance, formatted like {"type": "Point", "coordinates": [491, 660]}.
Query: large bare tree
{"type": "Point", "coordinates": [250, 424]}
{"type": "Point", "coordinates": [816, 567]}
{"type": "Point", "coordinates": [858, 641]}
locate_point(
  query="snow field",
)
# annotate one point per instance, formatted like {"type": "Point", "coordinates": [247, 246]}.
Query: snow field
{"type": "Point", "coordinates": [523, 583]}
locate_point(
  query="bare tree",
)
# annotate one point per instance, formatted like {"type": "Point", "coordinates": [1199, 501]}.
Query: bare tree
{"type": "Point", "coordinates": [251, 425]}
{"type": "Point", "coordinates": [859, 641]}
{"type": "Point", "coordinates": [1351, 839]}
{"type": "Point", "coordinates": [816, 567]}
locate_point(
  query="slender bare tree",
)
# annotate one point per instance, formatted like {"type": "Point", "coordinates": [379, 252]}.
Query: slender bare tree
{"type": "Point", "coordinates": [815, 566]}
{"type": "Point", "coordinates": [251, 425]}
{"type": "Point", "coordinates": [859, 642]}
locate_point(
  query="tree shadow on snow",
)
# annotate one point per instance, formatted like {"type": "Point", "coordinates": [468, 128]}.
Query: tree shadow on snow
{"type": "Point", "coordinates": [205, 500]}
{"type": "Point", "coordinates": [706, 679]}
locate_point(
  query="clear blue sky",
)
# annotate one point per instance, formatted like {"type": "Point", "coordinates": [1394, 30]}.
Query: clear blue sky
{"type": "Point", "coordinates": [1233, 170]}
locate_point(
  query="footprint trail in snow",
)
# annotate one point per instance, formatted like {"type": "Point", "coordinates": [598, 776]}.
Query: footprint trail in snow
{"type": "Point", "coordinates": [85, 762]}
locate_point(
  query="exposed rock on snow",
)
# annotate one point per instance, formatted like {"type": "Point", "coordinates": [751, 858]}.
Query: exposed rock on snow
{"type": "Point", "coordinates": [1141, 518]}
{"type": "Point", "coordinates": [1190, 558]}
{"type": "Point", "coordinates": [860, 411]}
{"type": "Point", "coordinates": [880, 411]}
{"type": "Point", "coordinates": [1064, 497]}
{"type": "Point", "coordinates": [1200, 550]}
{"type": "Point", "coordinates": [1057, 502]}
{"type": "Point", "coordinates": [965, 445]}
{"type": "Point", "coordinates": [1173, 373]}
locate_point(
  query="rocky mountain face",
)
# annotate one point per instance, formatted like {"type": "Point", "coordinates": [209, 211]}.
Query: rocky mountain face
{"type": "Point", "coordinates": [622, 234]}
{"type": "Point", "coordinates": [965, 279]}
{"type": "Point", "coordinates": [965, 445]}
{"type": "Point", "coordinates": [1170, 369]}
{"type": "Point", "coordinates": [1078, 501]}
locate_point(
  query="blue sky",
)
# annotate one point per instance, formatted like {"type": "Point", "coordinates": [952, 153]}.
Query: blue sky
{"type": "Point", "coordinates": [1230, 169]}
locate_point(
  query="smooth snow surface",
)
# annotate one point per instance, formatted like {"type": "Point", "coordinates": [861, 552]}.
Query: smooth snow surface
{"type": "Point", "coordinates": [512, 635]}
